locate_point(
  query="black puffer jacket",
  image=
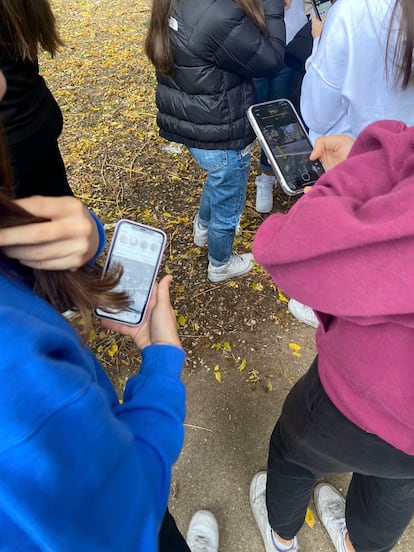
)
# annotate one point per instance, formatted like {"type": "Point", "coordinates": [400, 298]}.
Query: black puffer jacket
{"type": "Point", "coordinates": [217, 51]}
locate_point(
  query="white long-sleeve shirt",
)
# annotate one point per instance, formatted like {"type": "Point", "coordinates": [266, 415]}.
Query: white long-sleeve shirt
{"type": "Point", "coordinates": [346, 85]}
{"type": "Point", "coordinates": [295, 18]}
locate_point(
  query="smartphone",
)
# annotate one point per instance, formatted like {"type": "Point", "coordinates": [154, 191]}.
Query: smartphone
{"type": "Point", "coordinates": [285, 142]}
{"type": "Point", "coordinates": [138, 249]}
{"type": "Point", "coordinates": [321, 7]}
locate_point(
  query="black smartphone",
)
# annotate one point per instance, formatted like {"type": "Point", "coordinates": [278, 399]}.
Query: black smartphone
{"type": "Point", "coordinates": [283, 138]}
{"type": "Point", "coordinates": [321, 7]}
{"type": "Point", "coordinates": [138, 249]}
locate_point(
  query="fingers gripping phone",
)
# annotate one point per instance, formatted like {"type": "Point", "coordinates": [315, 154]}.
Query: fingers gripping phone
{"type": "Point", "coordinates": [285, 142]}
{"type": "Point", "coordinates": [321, 7]}
{"type": "Point", "coordinates": [138, 249]}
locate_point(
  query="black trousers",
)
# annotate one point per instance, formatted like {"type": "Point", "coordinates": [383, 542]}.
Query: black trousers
{"type": "Point", "coordinates": [170, 538]}
{"type": "Point", "coordinates": [312, 439]}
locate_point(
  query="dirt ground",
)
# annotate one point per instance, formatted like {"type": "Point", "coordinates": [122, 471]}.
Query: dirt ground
{"type": "Point", "coordinates": [244, 350]}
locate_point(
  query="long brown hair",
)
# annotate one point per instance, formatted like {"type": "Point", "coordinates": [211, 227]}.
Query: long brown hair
{"type": "Point", "coordinates": [403, 15]}
{"type": "Point", "coordinates": [84, 289]}
{"type": "Point", "coordinates": [26, 25]}
{"type": "Point", "coordinates": [158, 43]}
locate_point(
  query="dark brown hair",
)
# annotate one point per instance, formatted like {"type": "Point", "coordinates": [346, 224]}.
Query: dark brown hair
{"type": "Point", "coordinates": [84, 289]}
{"type": "Point", "coordinates": [158, 44]}
{"type": "Point", "coordinates": [403, 16]}
{"type": "Point", "coordinates": [25, 25]}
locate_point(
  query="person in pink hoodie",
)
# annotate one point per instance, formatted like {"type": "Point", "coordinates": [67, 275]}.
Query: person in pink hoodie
{"type": "Point", "coordinates": [346, 248]}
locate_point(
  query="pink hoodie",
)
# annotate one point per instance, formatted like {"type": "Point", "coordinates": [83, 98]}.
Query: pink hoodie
{"type": "Point", "coordinates": [347, 250]}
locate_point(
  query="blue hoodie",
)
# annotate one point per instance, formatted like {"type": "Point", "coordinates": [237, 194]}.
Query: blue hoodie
{"type": "Point", "coordinates": [79, 471]}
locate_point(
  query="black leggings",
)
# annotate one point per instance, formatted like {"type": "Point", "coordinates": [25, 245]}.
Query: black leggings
{"type": "Point", "coordinates": [312, 439]}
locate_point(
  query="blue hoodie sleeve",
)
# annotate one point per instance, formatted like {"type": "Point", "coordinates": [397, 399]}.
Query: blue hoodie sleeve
{"type": "Point", "coordinates": [101, 236]}
{"type": "Point", "coordinates": [78, 470]}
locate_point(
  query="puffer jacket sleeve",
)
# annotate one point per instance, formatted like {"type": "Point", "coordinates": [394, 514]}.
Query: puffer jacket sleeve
{"type": "Point", "coordinates": [228, 37]}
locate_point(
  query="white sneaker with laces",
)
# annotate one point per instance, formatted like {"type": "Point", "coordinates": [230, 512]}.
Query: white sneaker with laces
{"type": "Point", "coordinates": [264, 192]}
{"type": "Point", "coordinates": [303, 313]}
{"type": "Point", "coordinates": [237, 265]}
{"type": "Point", "coordinates": [203, 533]}
{"type": "Point", "coordinates": [258, 505]}
{"type": "Point", "coordinates": [199, 233]}
{"type": "Point", "coordinates": [330, 505]}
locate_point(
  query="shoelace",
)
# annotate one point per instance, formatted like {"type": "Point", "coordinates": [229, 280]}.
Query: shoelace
{"type": "Point", "coordinates": [336, 512]}
{"type": "Point", "coordinates": [200, 544]}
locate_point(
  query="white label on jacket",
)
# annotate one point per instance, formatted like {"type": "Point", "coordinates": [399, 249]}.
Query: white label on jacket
{"type": "Point", "coordinates": [173, 23]}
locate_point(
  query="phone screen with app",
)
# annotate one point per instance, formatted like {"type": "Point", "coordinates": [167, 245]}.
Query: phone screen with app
{"type": "Point", "coordinates": [286, 144]}
{"type": "Point", "coordinates": [138, 249]}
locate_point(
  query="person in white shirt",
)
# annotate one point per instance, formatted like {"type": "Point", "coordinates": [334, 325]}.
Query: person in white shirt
{"type": "Point", "coordinates": [350, 78]}
{"type": "Point", "coordinates": [353, 76]}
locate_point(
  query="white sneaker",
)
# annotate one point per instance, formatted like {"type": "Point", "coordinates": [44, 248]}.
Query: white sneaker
{"type": "Point", "coordinates": [330, 505]}
{"type": "Point", "coordinates": [199, 233]}
{"type": "Point", "coordinates": [202, 533]}
{"type": "Point", "coordinates": [303, 313]}
{"type": "Point", "coordinates": [264, 193]}
{"type": "Point", "coordinates": [237, 265]}
{"type": "Point", "coordinates": [258, 505]}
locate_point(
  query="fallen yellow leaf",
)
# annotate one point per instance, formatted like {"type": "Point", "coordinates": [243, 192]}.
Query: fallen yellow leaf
{"type": "Point", "coordinates": [310, 518]}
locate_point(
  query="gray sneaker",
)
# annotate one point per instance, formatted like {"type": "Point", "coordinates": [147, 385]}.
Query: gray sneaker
{"type": "Point", "coordinates": [264, 193]}
{"type": "Point", "coordinates": [303, 313]}
{"type": "Point", "coordinates": [237, 265]}
{"type": "Point", "coordinates": [203, 533]}
{"type": "Point", "coordinates": [199, 233]}
{"type": "Point", "coordinates": [330, 505]}
{"type": "Point", "coordinates": [258, 505]}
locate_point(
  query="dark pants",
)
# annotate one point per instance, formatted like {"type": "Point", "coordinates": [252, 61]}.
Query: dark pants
{"type": "Point", "coordinates": [37, 163]}
{"type": "Point", "coordinates": [312, 439]}
{"type": "Point", "coordinates": [170, 538]}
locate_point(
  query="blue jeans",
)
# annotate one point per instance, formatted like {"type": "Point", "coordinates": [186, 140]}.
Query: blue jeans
{"type": "Point", "coordinates": [223, 196]}
{"type": "Point", "coordinates": [274, 88]}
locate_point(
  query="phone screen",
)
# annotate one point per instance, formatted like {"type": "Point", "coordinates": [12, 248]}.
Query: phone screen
{"type": "Point", "coordinates": [138, 248]}
{"type": "Point", "coordinates": [321, 7]}
{"type": "Point", "coordinates": [288, 142]}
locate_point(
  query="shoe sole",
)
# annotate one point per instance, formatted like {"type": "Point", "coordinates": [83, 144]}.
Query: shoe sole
{"type": "Point", "coordinates": [264, 210]}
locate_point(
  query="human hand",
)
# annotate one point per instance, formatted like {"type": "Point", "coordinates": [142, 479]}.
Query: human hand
{"type": "Point", "coordinates": [159, 326]}
{"type": "Point", "coordinates": [66, 241]}
{"type": "Point", "coordinates": [287, 4]}
{"type": "Point", "coordinates": [317, 26]}
{"type": "Point", "coordinates": [331, 150]}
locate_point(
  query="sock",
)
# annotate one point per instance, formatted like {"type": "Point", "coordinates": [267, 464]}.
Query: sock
{"type": "Point", "coordinates": [282, 547]}
{"type": "Point", "coordinates": [344, 548]}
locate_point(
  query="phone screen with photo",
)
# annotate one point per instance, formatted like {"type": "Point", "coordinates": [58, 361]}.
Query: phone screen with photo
{"type": "Point", "coordinates": [138, 249]}
{"type": "Point", "coordinates": [288, 142]}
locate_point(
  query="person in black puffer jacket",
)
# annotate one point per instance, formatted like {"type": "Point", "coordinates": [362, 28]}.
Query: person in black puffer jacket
{"type": "Point", "coordinates": [206, 54]}
{"type": "Point", "coordinates": [30, 115]}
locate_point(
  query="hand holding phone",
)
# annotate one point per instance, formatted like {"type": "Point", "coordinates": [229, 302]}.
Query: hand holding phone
{"type": "Point", "coordinates": [283, 138]}
{"type": "Point", "coordinates": [138, 249]}
{"type": "Point", "coordinates": [159, 326]}
{"type": "Point", "coordinates": [332, 149]}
